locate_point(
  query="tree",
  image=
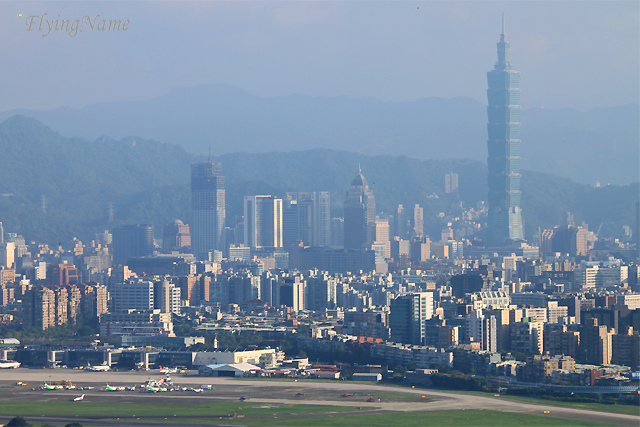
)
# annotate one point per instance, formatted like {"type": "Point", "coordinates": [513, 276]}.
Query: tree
{"type": "Point", "coordinates": [17, 421]}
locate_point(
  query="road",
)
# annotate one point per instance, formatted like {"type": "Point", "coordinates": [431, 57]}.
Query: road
{"type": "Point", "coordinates": [274, 392]}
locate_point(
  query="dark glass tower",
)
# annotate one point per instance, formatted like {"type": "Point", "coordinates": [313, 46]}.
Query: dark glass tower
{"type": "Point", "coordinates": [131, 241]}
{"type": "Point", "coordinates": [505, 215]}
{"type": "Point", "coordinates": [207, 209]}
{"type": "Point", "coordinates": [359, 214]}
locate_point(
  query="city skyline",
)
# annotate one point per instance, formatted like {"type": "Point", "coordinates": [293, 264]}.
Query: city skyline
{"type": "Point", "coordinates": [420, 273]}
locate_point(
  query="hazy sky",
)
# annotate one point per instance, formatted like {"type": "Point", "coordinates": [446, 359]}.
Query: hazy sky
{"type": "Point", "coordinates": [576, 54]}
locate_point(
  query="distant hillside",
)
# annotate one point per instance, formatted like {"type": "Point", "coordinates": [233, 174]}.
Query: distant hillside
{"type": "Point", "coordinates": [597, 145]}
{"type": "Point", "coordinates": [148, 181]}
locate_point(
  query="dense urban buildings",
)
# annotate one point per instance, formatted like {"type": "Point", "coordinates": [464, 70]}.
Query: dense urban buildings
{"type": "Point", "coordinates": [409, 288]}
{"type": "Point", "coordinates": [505, 213]}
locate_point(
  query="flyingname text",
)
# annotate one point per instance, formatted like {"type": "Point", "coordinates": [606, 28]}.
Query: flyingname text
{"type": "Point", "coordinates": [46, 26]}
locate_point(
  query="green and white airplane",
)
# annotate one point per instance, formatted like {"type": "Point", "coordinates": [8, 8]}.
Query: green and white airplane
{"type": "Point", "coordinates": [109, 388]}
{"type": "Point", "coordinates": [51, 387]}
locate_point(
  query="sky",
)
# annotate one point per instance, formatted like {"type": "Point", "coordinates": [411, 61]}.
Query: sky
{"type": "Point", "coordinates": [571, 54]}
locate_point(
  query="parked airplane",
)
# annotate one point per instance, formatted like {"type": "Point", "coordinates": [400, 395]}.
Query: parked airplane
{"type": "Point", "coordinates": [9, 364]}
{"type": "Point", "coordinates": [99, 368]}
{"type": "Point", "coordinates": [109, 388]}
{"type": "Point", "coordinates": [51, 387]}
{"type": "Point", "coordinates": [168, 370]}
{"type": "Point", "coordinates": [79, 398]}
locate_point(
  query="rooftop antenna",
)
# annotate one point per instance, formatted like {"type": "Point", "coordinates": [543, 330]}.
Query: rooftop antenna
{"type": "Point", "coordinates": [503, 32]}
{"type": "Point", "coordinates": [209, 160]}
{"type": "Point", "coordinates": [359, 169]}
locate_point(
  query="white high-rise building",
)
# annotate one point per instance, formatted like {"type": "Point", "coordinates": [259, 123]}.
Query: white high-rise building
{"type": "Point", "coordinates": [262, 222]}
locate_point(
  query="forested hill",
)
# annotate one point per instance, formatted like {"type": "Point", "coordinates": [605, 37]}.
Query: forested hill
{"type": "Point", "coordinates": [148, 181]}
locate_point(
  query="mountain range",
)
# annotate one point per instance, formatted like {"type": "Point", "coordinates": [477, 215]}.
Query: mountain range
{"type": "Point", "coordinates": [148, 182]}
{"type": "Point", "coordinates": [600, 145]}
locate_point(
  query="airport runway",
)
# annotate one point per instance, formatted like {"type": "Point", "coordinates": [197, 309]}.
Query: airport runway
{"type": "Point", "coordinates": [274, 392]}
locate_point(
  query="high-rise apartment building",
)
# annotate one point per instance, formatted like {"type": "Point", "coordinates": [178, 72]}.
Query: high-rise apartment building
{"type": "Point", "coordinates": [359, 214]}
{"type": "Point", "coordinates": [208, 210]}
{"type": "Point", "coordinates": [262, 222]}
{"type": "Point", "coordinates": [483, 329]}
{"type": "Point", "coordinates": [39, 308]}
{"type": "Point", "coordinates": [505, 214]}
{"type": "Point", "coordinates": [418, 221]}
{"type": "Point", "coordinates": [132, 241]}
{"type": "Point", "coordinates": [451, 183]}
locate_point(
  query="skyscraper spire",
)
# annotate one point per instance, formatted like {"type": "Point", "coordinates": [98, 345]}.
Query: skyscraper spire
{"type": "Point", "coordinates": [504, 50]}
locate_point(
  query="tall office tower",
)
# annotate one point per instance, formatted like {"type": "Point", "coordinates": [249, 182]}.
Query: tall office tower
{"type": "Point", "coordinates": [132, 241]}
{"type": "Point", "coordinates": [306, 218]}
{"type": "Point", "coordinates": [262, 222]}
{"type": "Point", "coordinates": [418, 221]}
{"type": "Point", "coordinates": [290, 229]}
{"type": "Point", "coordinates": [407, 317]}
{"type": "Point", "coordinates": [505, 214]}
{"type": "Point", "coordinates": [207, 209]}
{"type": "Point", "coordinates": [175, 236]}
{"type": "Point", "coordinates": [322, 228]}
{"type": "Point", "coordinates": [451, 183]}
{"type": "Point", "coordinates": [1, 233]}
{"type": "Point", "coordinates": [359, 214]}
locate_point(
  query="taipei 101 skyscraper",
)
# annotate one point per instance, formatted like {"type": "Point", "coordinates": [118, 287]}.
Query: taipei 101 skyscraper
{"type": "Point", "coordinates": [505, 214]}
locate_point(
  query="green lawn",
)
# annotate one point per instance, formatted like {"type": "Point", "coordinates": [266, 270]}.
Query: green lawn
{"type": "Point", "coordinates": [135, 410]}
{"type": "Point", "coordinates": [605, 407]}
{"type": "Point", "coordinates": [431, 418]}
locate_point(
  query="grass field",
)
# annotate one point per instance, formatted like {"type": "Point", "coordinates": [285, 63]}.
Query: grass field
{"type": "Point", "coordinates": [134, 410]}
{"type": "Point", "coordinates": [605, 407]}
{"type": "Point", "coordinates": [431, 418]}
{"type": "Point", "coordinates": [284, 415]}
